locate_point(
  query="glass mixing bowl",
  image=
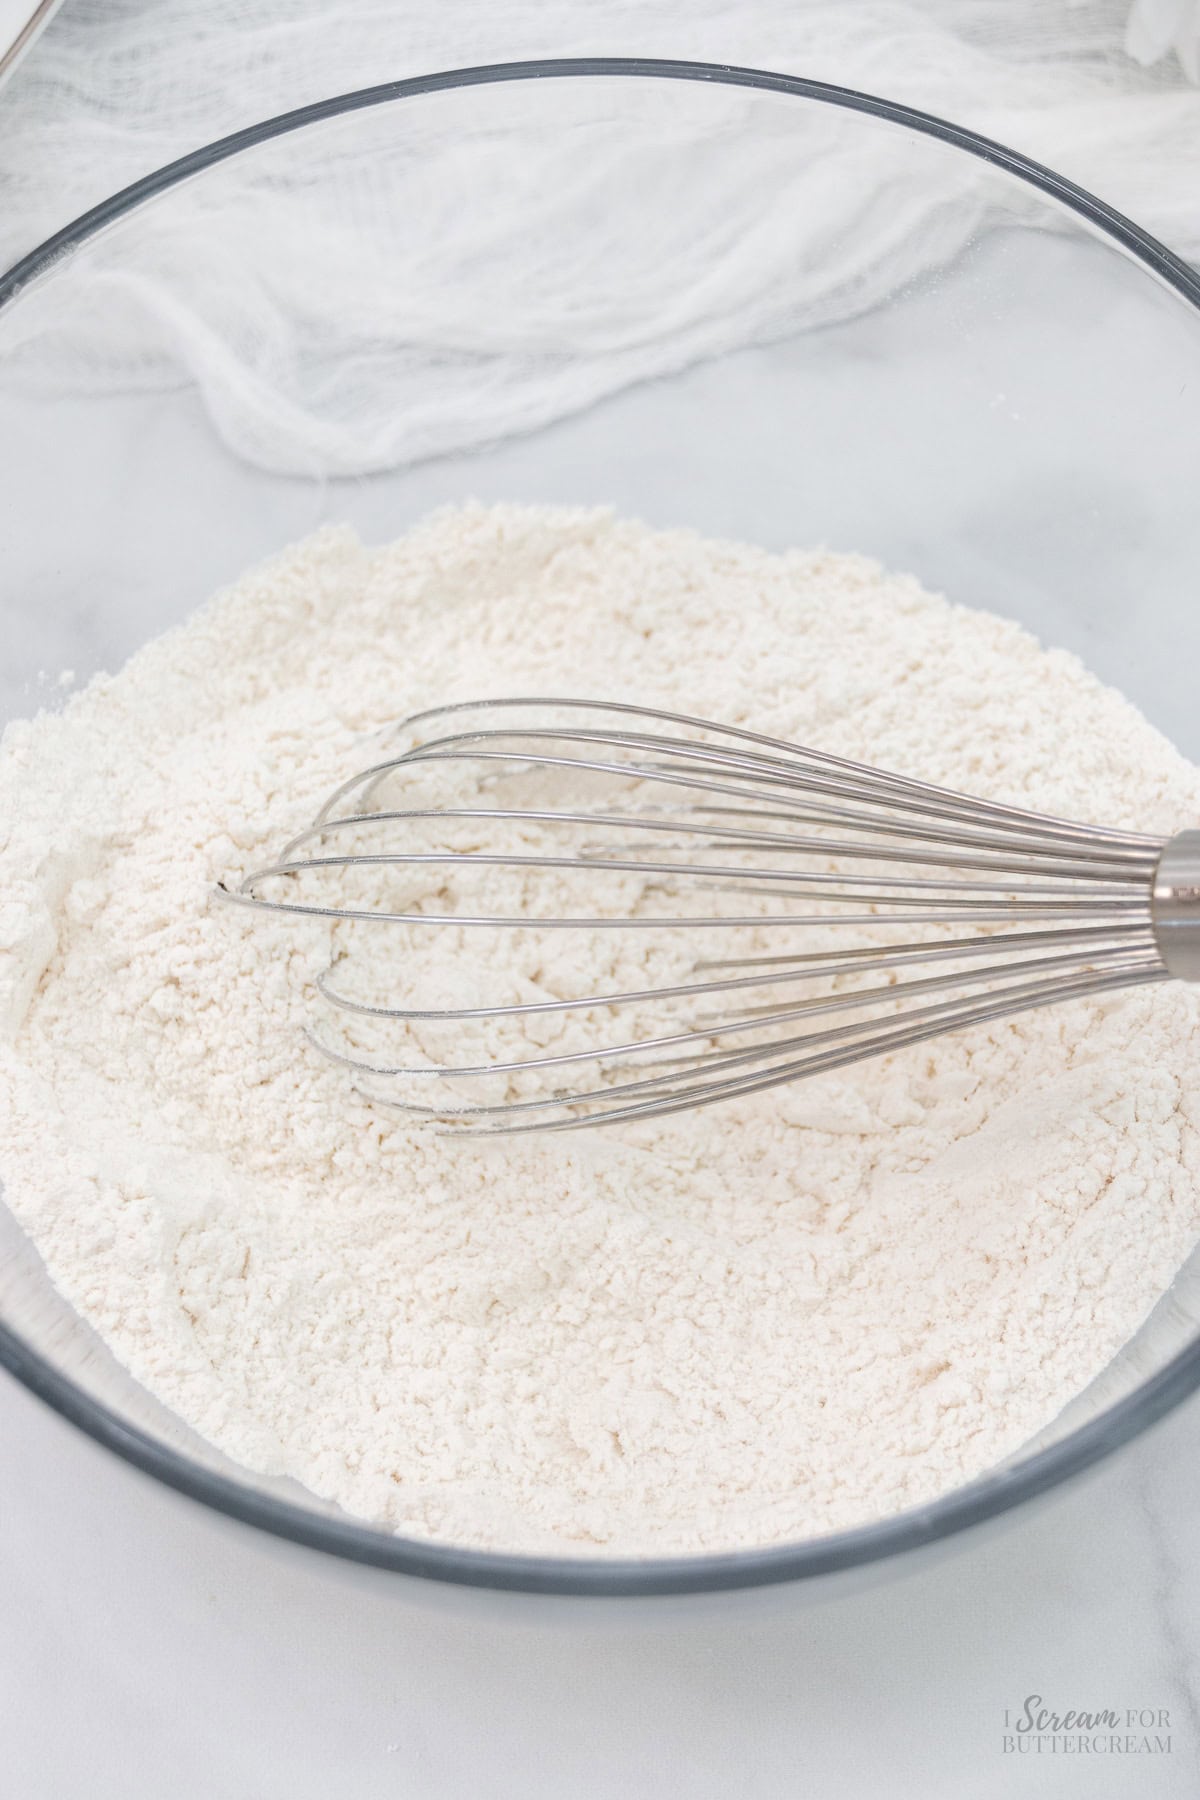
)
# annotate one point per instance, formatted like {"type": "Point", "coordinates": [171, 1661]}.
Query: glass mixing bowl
{"type": "Point", "coordinates": [1004, 403]}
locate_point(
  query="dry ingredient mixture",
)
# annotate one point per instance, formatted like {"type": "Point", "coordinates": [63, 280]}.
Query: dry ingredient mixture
{"type": "Point", "coordinates": [770, 1319]}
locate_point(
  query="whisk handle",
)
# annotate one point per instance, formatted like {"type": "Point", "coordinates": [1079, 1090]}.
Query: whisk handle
{"type": "Point", "coordinates": [1175, 905]}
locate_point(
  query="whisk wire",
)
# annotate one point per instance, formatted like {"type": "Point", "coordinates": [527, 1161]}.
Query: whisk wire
{"type": "Point", "coordinates": [1045, 909]}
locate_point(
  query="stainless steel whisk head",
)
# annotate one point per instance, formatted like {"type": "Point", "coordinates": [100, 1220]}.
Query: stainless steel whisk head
{"type": "Point", "coordinates": [830, 912]}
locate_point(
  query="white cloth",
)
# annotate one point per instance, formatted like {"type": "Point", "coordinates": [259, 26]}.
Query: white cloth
{"type": "Point", "coordinates": [294, 333]}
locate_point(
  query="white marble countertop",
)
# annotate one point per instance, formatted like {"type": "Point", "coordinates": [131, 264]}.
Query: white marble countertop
{"type": "Point", "coordinates": [149, 1648]}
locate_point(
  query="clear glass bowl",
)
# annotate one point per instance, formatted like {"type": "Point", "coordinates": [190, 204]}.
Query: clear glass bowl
{"type": "Point", "coordinates": [1009, 411]}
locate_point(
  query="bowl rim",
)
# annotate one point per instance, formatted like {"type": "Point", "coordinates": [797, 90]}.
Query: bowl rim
{"type": "Point", "coordinates": [990, 1496]}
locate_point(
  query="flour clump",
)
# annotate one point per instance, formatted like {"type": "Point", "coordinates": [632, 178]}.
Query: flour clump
{"type": "Point", "coordinates": [771, 1319]}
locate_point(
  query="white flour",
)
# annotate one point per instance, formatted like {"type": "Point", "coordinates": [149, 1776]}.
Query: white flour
{"type": "Point", "coordinates": [755, 1323]}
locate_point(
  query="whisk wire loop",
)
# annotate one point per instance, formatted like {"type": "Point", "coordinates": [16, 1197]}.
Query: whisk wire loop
{"type": "Point", "coordinates": [561, 815]}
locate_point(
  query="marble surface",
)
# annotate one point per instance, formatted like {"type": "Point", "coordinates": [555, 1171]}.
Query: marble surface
{"type": "Point", "coordinates": [149, 1648]}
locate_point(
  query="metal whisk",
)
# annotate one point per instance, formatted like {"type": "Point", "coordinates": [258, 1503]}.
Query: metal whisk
{"type": "Point", "coordinates": [839, 912]}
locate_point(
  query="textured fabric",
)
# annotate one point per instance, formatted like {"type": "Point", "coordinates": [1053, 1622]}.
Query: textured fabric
{"type": "Point", "coordinates": [293, 301]}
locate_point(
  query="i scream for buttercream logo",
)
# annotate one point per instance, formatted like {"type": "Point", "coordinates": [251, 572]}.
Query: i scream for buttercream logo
{"type": "Point", "coordinates": [1036, 1729]}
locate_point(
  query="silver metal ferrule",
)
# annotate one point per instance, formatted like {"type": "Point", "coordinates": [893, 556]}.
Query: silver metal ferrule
{"type": "Point", "coordinates": [1175, 905]}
